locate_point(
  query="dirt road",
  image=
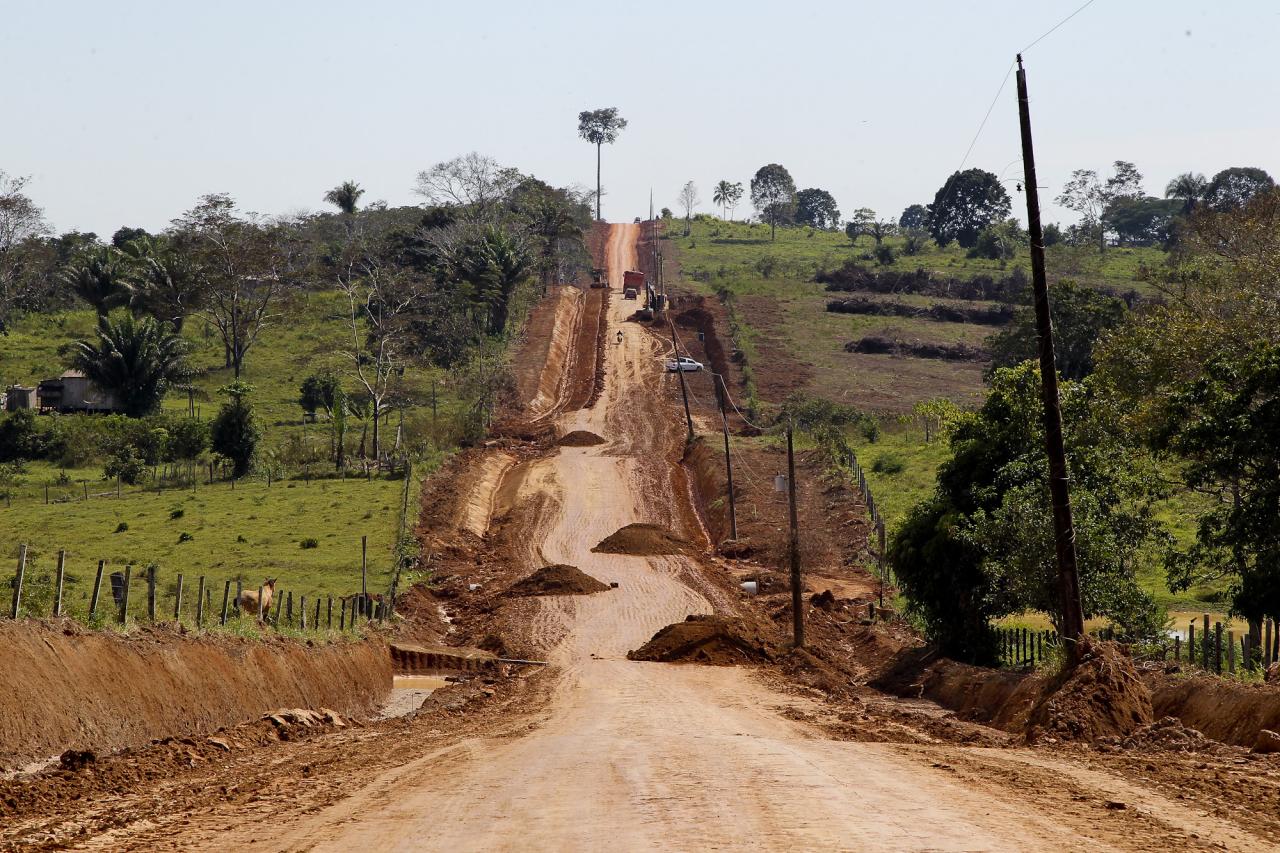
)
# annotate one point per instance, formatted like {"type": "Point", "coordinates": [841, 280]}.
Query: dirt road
{"type": "Point", "coordinates": [604, 753]}
{"type": "Point", "coordinates": [639, 756]}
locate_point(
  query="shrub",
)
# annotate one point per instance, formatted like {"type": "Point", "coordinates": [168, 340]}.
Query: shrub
{"type": "Point", "coordinates": [184, 536]}
{"type": "Point", "coordinates": [122, 527]}
{"type": "Point", "coordinates": [21, 437]}
{"type": "Point", "coordinates": [126, 465]}
{"type": "Point", "coordinates": [309, 543]}
{"type": "Point", "coordinates": [884, 255]}
{"type": "Point", "coordinates": [176, 514]}
{"type": "Point", "coordinates": [888, 464]}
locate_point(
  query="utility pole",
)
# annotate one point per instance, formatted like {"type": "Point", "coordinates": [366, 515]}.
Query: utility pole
{"type": "Point", "coordinates": [684, 392]}
{"type": "Point", "coordinates": [797, 594]}
{"type": "Point", "coordinates": [721, 393]}
{"type": "Point", "coordinates": [1064, 534]}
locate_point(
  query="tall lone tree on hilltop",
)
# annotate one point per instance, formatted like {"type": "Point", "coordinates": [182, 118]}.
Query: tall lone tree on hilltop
{"type": "Point", "coordinates": [773, 192]}
{"type": "Point", "coordinates": [598, 127]}
{"type": "Point", "coordinates": [689, 200]}
{"type": "Point", "coordinates": [345, 196]}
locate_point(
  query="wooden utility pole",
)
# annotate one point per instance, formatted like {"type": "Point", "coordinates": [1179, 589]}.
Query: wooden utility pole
{"type": "Point", "coordinates": [1064, 534]}
{"type": "Point", "coordinates": [728, 461]}
{"type": "Point", "coordinates": [797, 593]}
{"type": "Point", "coordinates": [364, 567]}
{"type": "Point", "coordinates": [684, 392]}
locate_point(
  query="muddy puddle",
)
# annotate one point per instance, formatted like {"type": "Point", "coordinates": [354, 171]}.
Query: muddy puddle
{"type": "Point", "coordinates": [408, 692]}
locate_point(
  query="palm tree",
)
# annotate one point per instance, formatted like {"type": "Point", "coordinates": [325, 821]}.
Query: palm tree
{"type": "Point", "coordinates": [1190, 188]}
{"type": "Point", "coordinates": [137, 360]}
{"type": "Point", "coordinates": [99, 278]}
{"type": "Point", "coordinates": [722, 195]}
{"type": "Point", "coordinates": [345, 196]}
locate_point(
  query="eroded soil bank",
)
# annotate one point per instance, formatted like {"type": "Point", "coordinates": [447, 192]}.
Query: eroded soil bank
{"type": "Point", "coordinates": [66, 687]}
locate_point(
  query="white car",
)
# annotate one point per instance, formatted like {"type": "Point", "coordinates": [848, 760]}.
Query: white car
{"type": "Point", "coordinates": [683, 363]}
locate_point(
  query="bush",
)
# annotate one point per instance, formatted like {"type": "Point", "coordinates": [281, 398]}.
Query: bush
{"type": "Point", "coordinates": [21, 437]}
{"type": "Point", "coordinates": [122, 527]}
{"type": "Point", "coordinates": [184, 536]}
{"type": "Point", "coordinates": [884, 255]}
{"type": "Point", "coordinates": [309, 543]}
{"type": "Point", "coordinates": [888, 464]}
{"type": "Point", "coordinates": [175, 514]}
{"type": "Point", "coordinates": [126, 465]}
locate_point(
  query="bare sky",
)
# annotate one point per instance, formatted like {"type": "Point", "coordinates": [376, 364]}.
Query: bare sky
{"type": "Point", "coordinates": [124, 113]}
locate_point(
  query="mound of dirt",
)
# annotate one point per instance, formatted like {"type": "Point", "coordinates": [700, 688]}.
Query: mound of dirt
{"type": "Point", "coordinates": [558, 579]}
{"type": "Point", "coordinates": [643, 540]}
{"type": "Point", "coordinates": [714, 640]}
{"type": "Point", "coordinates": [1102, 696]}
{"type": "Point", "coordinates": [580, 438]}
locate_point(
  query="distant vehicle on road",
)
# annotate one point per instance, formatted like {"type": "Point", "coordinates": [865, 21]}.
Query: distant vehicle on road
{"type": "Point", "coordinates": [637, 220]}
{"type": "Point", "coordinates": [683, 363]}
{"type": "Point", "coordinates": [629, 293]}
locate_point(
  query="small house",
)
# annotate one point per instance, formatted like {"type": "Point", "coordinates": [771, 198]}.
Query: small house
{"type": "Point", "coordinates": [19, 397]}
{"type": "Point", "coordinates": [73, 392]}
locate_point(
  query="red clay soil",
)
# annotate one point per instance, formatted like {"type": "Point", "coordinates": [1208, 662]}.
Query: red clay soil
{"type": "Point", "coordinates": [67, 687]}
{"type": "Point", "coordinates": [713, 640]}
{"type": "Point", "coordinates": [643, 540]}
{"type": "Point", "coordinates": [557, 580]}
{"type": "Point", "coordinates": [1101, 696]}
{"type": "Point", "coordinates": [580, 438]}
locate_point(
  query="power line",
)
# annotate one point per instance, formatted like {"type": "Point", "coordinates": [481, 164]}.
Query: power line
{"type": "Point", "coordinates": [1055, 26]}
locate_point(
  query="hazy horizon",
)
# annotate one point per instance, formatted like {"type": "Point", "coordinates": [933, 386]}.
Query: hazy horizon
{"type": "Point", "coordinates": [125, 116]}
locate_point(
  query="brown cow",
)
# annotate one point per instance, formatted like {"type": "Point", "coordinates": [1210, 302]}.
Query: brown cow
{"type": "Point", "coordinates": [248, 602]}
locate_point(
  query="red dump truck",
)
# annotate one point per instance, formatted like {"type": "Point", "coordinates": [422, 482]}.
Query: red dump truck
{"type": "Point", "coordinates": [632, 283]}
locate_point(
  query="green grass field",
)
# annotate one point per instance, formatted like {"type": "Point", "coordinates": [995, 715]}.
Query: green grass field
{"type": "Point", "coordinates": [792, 338]}
{"type": "Point", "coordinates": [247, 533]}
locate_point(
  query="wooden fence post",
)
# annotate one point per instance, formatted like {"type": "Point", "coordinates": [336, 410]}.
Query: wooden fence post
{"type": "Point", "coordinates": [17, 581]}
{"type": "Point", "coordinates": [342, 615]}
{"type": "Point", "coordinates": [61, 575]}
{"type": "Point", "coordinates": [177, 600]}
{"type": "Point", "coordinates": [124, 599]}
{"type": "Point", "coordinates": [288, 617]}
{"type": "Point", "coordinates": [302, 617]}
{"type": "Point", "coordinates": [1245, 651]}
{"type": "Point", "coordinates": [329, 607]}
{"type": "Point", "coordinates": [226, 593]}
{"type": "Point", "coordinates": [1217, 648]}
{"type": "Point", "coordinates": [200, 604]}
{"type": "Point", "coordinates": [315, 623]}
{"type": "Point", "coordinates": [1231, 652]}
{"type": "Point", "coordinates": [261, 615]}
{"type": "Point", "coordinates": [97, 589]}
{"type": "Point", "coordinates": [1266, 644]}
{"type": "Point", "coordinates": [151, 592]}
{"type": "Point", "coordinates": [1177, 649]}
{"type": "Point", "coordinates": [1191, 643]}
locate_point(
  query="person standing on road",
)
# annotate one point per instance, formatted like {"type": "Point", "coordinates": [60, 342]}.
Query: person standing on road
{"type": "Point", "coordinates": [619, 337]}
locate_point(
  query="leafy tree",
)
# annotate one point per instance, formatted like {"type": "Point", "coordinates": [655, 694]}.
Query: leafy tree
{"type": "Point", "coordinates": [1090, 197]}
{"type": "Point", "coordinates": [1190, 188]}
{"type": "Point", "coordinates": [817, 209]}
{"type": "Point", "coordinates": [21, 225]}
{"type": "Point", "coordinates": [864, 220]}
{"type": "Point", "coordinates": [936, 417]}
{"type": "Point", "coordinates": [915, 217]}
{"type": "Point", "coordinates": [345, 196]}
{"type": "Point", "coordinates": [598, 127]}
{"type": "Point", "coordinates": [126, 235]}
{"type": "Point", "coordinates": [773, 193]}
{"type": "Point", "coordinates": [554, 222]}
{"type": "Point", "coordinates": [1232, 188]}
{"type": "Point", "coordinates": [1052, 234]}
{"type": "Point", "coordinates": [689, 200]}
{"type": "Point", "coordinates": [1081, 315]}
{"type": "Point", "coordinates": [100, 278]}
{"type": "Point", "coordinates": [248, 268]}
{"type": "Point", "coordinates": [21, 437]}
{"type": "Point", "coordinates": [235, 432]}
{"type": "Point", "coordinates": [1000, 240]}
{"type": "Point", "coordinates": [137, 360]}
{"type": "Point", "coordinates": [1226, 424]}
{"type": "Point", "coordinates": [727, 194]}
{"type": "Point", "coordinates": [1143, 220]}
{"type": "Point", "coordinates": [982, 546]}
{"type": "Point", "coordinates": [473, 186]}
{"type": "Point", "coordinates": [318, 392]}
{"type": "Point", "coordinates": [967, 203]}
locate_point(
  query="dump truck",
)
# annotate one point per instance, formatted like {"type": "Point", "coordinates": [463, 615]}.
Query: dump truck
{"type": "Point", "coordinates": [633, 278]}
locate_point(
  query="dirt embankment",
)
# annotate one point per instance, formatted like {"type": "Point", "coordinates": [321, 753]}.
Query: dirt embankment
{"type": "Point", "coordinates": [69, 688]}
